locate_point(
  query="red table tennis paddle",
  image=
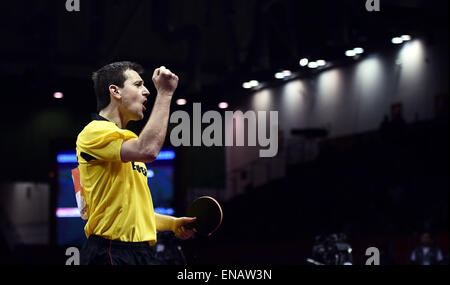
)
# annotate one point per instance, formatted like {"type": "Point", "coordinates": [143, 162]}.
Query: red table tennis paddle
{"type": "Point", "coordinates": [209, 215]}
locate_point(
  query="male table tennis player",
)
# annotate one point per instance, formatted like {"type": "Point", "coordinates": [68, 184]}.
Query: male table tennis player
{"type": "Point", "coordinates": [122, 224]}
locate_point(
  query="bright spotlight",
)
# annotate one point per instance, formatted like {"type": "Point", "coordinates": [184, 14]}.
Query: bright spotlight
{"type": "Point", "coordinates": [181, 102]}
{"type": "Point", "coordinates": [279, 75]}
{"type": "Point", "coordinates": [254, 83]}
{"type": "Point", "coordinates": [58, 95]}
{"type": "Point", "coordinates": [304, 62]}
{"type": "Point", "coordinates": [246, 85]}
{"type": "Point", "coordinates": [312, 65]}
{"type": "Point", "coordinates": [223, 105]}
{"type": "Point", "coordinates": [350, 53]}
{"type": "Point", "coordinates": [287, 73]}
{"type": "Point", "coordinates": [358, 50]}
{"type": "Point", "coordinates": [321, 62]}
{"type": "Point", "coordinates": [406, 38]}
{"type": "Point", "coordinates": [397, 41]}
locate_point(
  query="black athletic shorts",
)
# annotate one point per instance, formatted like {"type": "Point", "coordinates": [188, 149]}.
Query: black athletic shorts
{"type": "Point", "coordinates": [100, 251]}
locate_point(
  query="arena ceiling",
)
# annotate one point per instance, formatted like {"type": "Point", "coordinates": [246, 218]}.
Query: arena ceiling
{"type": "Point", "coordinates": [213, 45]}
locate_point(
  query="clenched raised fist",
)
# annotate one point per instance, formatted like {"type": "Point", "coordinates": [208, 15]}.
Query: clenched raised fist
{"type": "Point", "coordinates": [165, 81]}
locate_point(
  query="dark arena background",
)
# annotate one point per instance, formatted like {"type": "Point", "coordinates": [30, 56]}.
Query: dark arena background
{"type": "Point", "coordinates": [362, 98]}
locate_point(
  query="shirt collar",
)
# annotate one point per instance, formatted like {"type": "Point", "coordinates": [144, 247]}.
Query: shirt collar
{"type": "Point", "coordinates": [97, 117]}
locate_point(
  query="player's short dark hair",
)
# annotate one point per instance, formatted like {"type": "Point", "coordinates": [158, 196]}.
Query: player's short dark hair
{"type": "Point", "coordinates": [112, 73]}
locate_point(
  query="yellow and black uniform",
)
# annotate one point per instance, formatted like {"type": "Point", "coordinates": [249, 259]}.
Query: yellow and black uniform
{"type": "Point", "coordinates": [120, 206]}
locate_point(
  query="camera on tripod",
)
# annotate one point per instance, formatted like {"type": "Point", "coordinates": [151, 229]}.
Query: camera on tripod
{"type": "Point", "coordinates": [331, 250]}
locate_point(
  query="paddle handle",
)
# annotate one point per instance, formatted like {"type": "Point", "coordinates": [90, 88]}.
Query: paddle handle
{"type": "Point", "coordinates": [190, 226]}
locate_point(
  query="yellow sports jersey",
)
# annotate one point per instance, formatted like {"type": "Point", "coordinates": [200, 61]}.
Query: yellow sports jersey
{"type": "Point", "coordinates": [119, 202]}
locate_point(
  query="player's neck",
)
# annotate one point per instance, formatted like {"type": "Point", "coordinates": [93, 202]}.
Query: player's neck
{"type": "Point", "coordinates": [113, 115]}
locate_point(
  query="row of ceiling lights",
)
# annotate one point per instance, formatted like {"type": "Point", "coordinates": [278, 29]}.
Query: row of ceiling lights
{"type": "Point", "coordinates": [304, 62]}
{"type": "Point", "coordinates": [181, 102]}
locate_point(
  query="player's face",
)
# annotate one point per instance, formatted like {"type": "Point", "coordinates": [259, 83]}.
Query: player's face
{"type": "Point", "coordinates": [134, 96]}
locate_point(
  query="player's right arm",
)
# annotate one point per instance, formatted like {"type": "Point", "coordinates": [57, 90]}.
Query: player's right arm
{"type": "Point", "coordinates": [146, 147]}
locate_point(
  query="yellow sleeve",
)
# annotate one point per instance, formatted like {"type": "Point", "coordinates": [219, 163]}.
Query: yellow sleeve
{"type": "Point", "coordinates": [101, 141]}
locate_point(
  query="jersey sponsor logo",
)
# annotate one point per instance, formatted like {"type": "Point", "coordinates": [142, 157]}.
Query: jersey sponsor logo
{"type": "Point", "coordinates": [139, 169]}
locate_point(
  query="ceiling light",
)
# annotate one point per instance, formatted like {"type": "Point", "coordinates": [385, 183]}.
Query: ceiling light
{"type": "Point", "coordinates": [287, 73]}
{"type": "Point", "coordinates": [358, 50]}
{"type": "Point", "coordinates": [181, 102]}
{"type": "Point", "coordinates": [321, 62]}
{"type": "Point", "coordinates": [350, 53]}
{"type": "Point", "coordinates": [254, 83]}
{"type": "Point", "coordinates": [279, 75]}
{"type": "Point", "coordinates": [304, 62]}
{"type": "Point", "coordinates": [397, 41]}
{"type": "Point", "coordinates": [312, 65]}
{"type": "Point", "coordinates": [406, 38]}
{"type": "Point", "coordinates": [250, 84]}
{"type": "Point", "coordinates": [246, 85]}
{"type": "Point", "coordinates": [223, 105]}
{"type": "Point", "coordinates": [58, 95]}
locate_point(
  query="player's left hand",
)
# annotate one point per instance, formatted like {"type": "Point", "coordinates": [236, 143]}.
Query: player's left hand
{"type": "Point", "coordinates": [180, 231]}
